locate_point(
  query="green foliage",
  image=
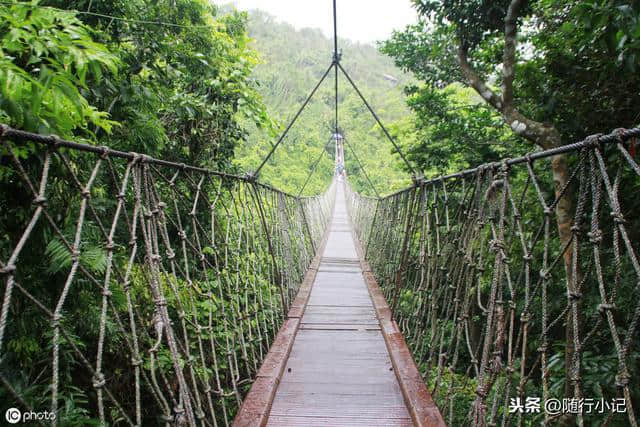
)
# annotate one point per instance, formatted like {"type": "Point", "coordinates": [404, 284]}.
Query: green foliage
{"type": "Point", "coordinates": [582, 75]}
{"type": "Point", "coordinates": [475, 20]}
{"type": "Point", "coordinates": [292, 63]}
{"type": "Point", "coordinates": [47, 58]}
{"type": "Point", "coordinates": [182, 88]}
{"type": "Point", "coordinates": [453, 130]}
{"type": "Point", "coordinates": [182, 91]}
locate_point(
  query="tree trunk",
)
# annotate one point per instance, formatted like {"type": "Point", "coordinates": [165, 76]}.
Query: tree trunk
{"type": "Point", "coordinates": [564, 219]}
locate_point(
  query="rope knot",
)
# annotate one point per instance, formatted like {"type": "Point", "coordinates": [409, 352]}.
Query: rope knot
{"type": "Point", "coordinates": [106, 292]}
{"type": "Point", "coordinates": [622, 380]}
{"type": "Point", "coordinates": [574, 296]}
{"type": "Point", "coordinates": [110, 245]}
{"type": "Point", "coordinates": [505, 167]}
{"type": "Point", "coordinates": [55, 320]}
{"type": "Point", "coordinates": [605, 307]}
{"type": "Point", "coordinates": [136, 362]}
{"type": "Point", "coordinates": [481, 392]}
{"type": "Point", "coordinates": [618, 218]}
{"type": "Point", "coordinates": [135, 157]}
{"type": "Point", "coordinates": [160, 302]}
{"type": "Point", "coordinates": [40, 201]}
{"type": "Point", "coordinates": [98, 380]}
{"type": "Point", "coordinates": [547, 211]}
{"type": "Point", "coordinates": [527, 257]}
{"type": "Point", "coordinates": [595, 236]}
{"type": "Point", "coordinates": [8, 269]}
{"type": "Point", "coordinates": [620, 134]}
{"type": "Point", "coordinates": [525, 318]}
{"type": "Point", "coordinates": [171, 254]}
{"type": "Point", "coordinates": [593, 141]}
{"type": "Point", "coordinates": [544, 274]}
{"type": "Point", "coordinates": [182, 235]}
{"type": "Point", "coordinates": [56, 140]}
{"type": "Point", "coordinates": [496, 244]}
{"type": "Point", "coordinates": [418, 180]}
{"type": "Point", "coordinates": [104, 152]}
{"type": "Point", "coordinates": [162, 205]}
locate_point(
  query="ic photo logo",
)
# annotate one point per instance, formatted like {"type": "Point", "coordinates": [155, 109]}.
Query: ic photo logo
{"type": "Point", "coordinates": [13, 415]}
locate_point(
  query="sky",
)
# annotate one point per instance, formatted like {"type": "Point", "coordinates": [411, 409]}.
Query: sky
{"type": "Point", "coordinates": [364, 21]}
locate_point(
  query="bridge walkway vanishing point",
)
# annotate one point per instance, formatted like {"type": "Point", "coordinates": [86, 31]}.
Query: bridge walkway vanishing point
{"type": "Point", "coordinates": [343, 362]}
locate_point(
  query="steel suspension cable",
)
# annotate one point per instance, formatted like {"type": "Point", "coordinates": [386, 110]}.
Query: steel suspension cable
{"type": "Point", "coordinates": [375, 116]}
{"type": "Point", "coordinates": [295, 118]}
{"type": "Point", "coordinates": [314, 167]}
{"type": "Point", "coordinates": [364, 171]}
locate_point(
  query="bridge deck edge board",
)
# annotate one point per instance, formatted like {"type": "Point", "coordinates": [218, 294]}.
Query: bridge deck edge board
{"type": "Point", "coordinates": [256, 406]}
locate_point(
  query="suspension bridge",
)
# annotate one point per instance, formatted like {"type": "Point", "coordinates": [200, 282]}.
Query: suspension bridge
{"type": "Point", "coordinates": [186, 296]}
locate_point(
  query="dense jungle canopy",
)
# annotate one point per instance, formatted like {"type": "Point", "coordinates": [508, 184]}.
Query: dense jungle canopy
{"type": "Point", "coordinates": [197, 82]}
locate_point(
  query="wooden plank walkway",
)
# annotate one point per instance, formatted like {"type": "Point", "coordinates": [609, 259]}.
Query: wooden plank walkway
{"type": "Point", "coordinates": [339, 372]}
{"type": "Point", "coordinates": [339, 359]}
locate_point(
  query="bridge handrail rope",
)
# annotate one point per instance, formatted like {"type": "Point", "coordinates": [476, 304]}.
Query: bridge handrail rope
{"type": "Point", "coordinates": [199, 271]}
{"type": "Point", "coordinates": [468, 261]}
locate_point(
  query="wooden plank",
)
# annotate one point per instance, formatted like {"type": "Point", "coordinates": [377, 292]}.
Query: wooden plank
{"type": "Point", "coordinates": [422, 408]}
{"type": "Point", "coordinates": [295, 421]}
{"type": "Point", "coordinates": [339, 371]}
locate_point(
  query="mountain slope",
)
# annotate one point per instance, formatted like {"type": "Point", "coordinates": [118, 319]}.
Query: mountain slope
{"type": "Point", "coordinates": [293, 62]}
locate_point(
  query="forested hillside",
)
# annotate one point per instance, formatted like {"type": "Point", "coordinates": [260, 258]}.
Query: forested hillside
{"type": "Point", "coordinates": [291, 64]}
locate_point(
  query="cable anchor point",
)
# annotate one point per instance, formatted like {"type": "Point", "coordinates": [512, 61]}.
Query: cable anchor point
{"type": "Point", "coordinates": [337, 56]}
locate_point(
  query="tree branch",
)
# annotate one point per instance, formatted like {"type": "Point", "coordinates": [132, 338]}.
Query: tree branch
{"type": "Point", "coordinates": [545, 136]}
{"type": "Point", "coordinates": [476, 82]}
{"type": "Point", "coordinates": [509, 54]}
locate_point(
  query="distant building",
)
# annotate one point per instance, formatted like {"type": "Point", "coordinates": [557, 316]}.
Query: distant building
{"type": "Point", "coordinates": [390, 78]}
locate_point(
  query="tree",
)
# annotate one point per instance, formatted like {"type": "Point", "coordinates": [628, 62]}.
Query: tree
{"type": "Point", "coordinates": [551, 84]}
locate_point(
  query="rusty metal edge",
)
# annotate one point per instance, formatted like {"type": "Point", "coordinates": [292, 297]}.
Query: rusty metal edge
{"type": "Point", "coordinates": [422, 408]}
{"type": "Point", "coordinates": [256, 406]}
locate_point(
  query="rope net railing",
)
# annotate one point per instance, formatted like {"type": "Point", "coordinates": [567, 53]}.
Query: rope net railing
{"type": "Point", "coordinates": [137, 291]}
{"type": "Point", "coordinates": [509, 323]}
